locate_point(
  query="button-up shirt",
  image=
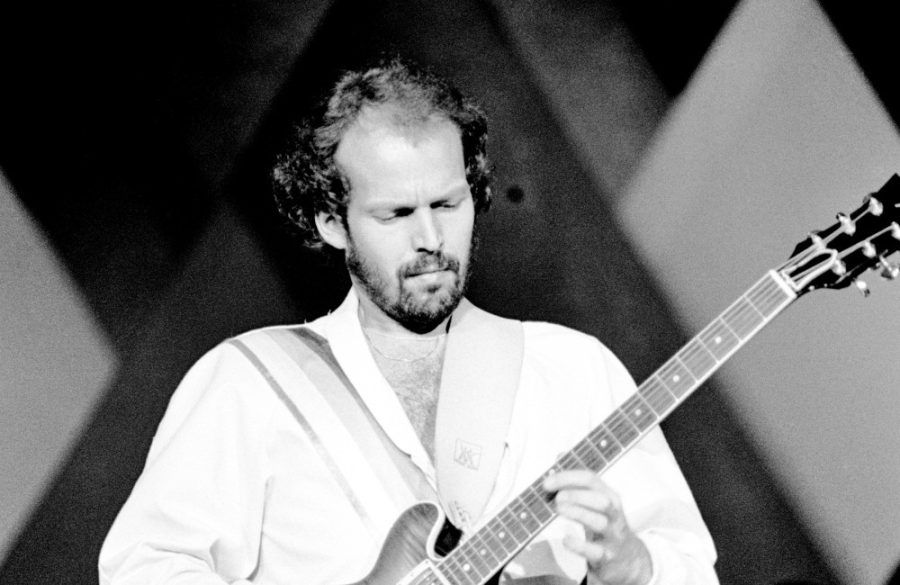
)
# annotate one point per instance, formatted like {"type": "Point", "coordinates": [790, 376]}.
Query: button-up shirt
{"type": "Point", "coordinates": [235, 490]}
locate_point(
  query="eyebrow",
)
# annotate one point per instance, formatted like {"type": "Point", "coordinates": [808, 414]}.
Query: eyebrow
{"type": "Point", "coordinates": [459, 189]}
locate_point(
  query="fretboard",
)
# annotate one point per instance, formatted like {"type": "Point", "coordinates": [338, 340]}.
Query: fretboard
{"type": "Point", "coordinates": [488, 550]}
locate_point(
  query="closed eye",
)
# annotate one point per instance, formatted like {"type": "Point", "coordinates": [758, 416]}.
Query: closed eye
{"type": "Point", "coordinates": [397, 213]}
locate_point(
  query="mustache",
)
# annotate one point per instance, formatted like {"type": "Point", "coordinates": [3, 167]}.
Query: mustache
{"type": "Point", "coordinates": [429, 263]}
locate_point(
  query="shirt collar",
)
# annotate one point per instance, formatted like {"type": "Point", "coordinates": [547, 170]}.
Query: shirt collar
{"type": "Point", "coordinates": [348, 343]}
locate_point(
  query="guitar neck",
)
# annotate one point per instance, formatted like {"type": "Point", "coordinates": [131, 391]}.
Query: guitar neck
{"type": "Point", "coordinates": [489, 549]}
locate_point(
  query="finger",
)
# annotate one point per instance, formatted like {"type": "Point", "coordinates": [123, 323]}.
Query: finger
{"type": "Point", "coordinates": [591, 498]}
{"type": "Point", "coordinates": [593, 552]}
{"type": "Point", "coordinates": [596, 523]}
{"type": "Point", "coordinates": [570, 478]}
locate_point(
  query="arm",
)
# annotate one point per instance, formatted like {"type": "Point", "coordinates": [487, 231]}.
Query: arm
{"type": "Point", "coordinates": [618, 553]}
{"type": "Point", "coordinates": [571, 383]}
{"type": "Point", "coordinates": [614, 553]}
{"type": "Point", "coordinates": [641, 510]}
{"type": "Point", "coordinates": [195, 514]}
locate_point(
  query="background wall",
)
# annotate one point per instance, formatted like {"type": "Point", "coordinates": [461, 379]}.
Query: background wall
{"type": "Point", "coordinates": [54, 364]}
{"type": "Point", "coordinates": [137, 146]}
{"type": "Point", "coordinates": [778, 131]}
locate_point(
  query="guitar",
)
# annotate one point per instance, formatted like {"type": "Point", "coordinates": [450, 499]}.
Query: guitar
{"type": "Point", "coordinates": [831, 258]}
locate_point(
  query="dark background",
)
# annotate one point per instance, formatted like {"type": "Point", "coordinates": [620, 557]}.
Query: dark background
{"type": "Point", "coordinates": [139, 136]}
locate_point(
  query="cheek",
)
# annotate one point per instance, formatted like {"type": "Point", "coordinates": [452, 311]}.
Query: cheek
{"type": "Point", "coordinates": [382, 250]}
{"type": "Point", "coordinates": [461, 230]}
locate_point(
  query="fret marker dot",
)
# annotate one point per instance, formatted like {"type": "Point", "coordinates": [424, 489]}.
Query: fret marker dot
{"type": "Point", "coordinates": [676, 378]}
{"type": "Point", "coordinates": [483, 552]}
{"type": "Point", "coordinates": [522, 516]}
{"type": "Point", "coordinates": [603, 443]}
{"type": "Point", "coordinates": [718, 339]}
{"type": "Point", "coordinates": [466, 567]}
{"type": "Point", "coordinates": [638, 412]}
{"type": "Point", "coordinates": [501, 534]}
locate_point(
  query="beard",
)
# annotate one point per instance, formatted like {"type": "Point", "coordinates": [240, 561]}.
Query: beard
{"type": "Point", "coordinates": [419, 310]}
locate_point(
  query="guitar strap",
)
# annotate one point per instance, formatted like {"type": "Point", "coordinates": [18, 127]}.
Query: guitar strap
{"type": "Point", "coordinates": [378, 479]}
{"type": "Point", "coordinates": [480, 377]}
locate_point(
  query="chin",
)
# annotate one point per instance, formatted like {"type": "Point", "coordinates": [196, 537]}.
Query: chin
{"type": "Point", "coordinates": [423, 315]}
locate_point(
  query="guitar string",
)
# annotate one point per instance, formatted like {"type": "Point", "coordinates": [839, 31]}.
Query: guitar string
{"type": "Point", "coordinates": [764, 292]}
{"type": "Point", "coordinates": [760, 305]}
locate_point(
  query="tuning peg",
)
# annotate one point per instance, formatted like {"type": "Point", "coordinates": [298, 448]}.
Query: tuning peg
{"type": "Point", "coordinates": [863, 287]}
{"type": "Point", "coordinates": [846, 224]}
{"type": "Point", "coordinates": [875, 206]}
{"type": "Point", "coordinates": [817, 241]}
{"type": "Point", "coordinates": [888, 271]}
{"type": "Point", "coordinates": [839, 268]}
{"type": "Point", "coordinates": [895, 230]}
{"type": "Point", "coordinates": [868, 249]}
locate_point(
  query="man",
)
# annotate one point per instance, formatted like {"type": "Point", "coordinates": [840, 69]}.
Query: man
{"type": "Point", "coordinates": [287, 453]}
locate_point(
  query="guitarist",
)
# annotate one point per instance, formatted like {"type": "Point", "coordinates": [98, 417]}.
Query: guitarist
{"type": "Point", "coordinates": [287, 453]}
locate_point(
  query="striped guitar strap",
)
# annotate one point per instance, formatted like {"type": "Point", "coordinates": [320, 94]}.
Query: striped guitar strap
{"type": "Point", "coordinates": [301, 370]}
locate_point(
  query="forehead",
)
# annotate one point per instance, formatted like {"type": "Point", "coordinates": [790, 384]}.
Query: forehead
{"type": "Point", "coordinates": [395, 120]}
{"type": "Point", "coordinates": [378, 154]}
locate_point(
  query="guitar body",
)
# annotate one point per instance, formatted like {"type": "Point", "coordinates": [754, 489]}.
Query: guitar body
{"type": "Point", "coordinates": [407, 545]}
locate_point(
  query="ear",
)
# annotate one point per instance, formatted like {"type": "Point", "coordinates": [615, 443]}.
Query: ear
{"type": "Point", "coordinates": [331, 230]}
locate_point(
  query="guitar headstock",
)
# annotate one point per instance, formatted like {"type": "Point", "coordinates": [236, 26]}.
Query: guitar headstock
{"type": "Point", "coordinates": [864, 239]}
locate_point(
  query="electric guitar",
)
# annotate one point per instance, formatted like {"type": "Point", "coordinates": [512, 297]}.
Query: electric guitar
{"type": "Point", "coordinates": [831, 258]}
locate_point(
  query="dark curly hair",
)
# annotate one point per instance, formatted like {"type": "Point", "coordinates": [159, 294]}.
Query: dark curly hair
{"type": "Point", "coordinates": [306, 179]}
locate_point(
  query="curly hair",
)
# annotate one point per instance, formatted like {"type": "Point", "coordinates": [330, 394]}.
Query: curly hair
{"type": "Point", "coordinates": [306, 179]}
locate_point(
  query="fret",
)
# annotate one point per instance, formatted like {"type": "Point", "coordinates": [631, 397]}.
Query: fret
{"type": "Point", "coordinates": [604, 442]}
{"type": "Point", "coordinates": [676, 377]}
{"type": "Point", "coordinates": [471, 561]}
{"type": "Point", "coordinates": [768, 297]}
{"type": "Point", "coordinates": [590, 456]}
{"type": "Point", "coordinates": [569, 460]}
{"type": "Point", "coordinates": [515, 528]}
{"type": "Point", "coordinates": [488, 541]}
{"type": "Point", "coordinates": [621, 428]}
{"type": "Point", "coordinates": [657, 395]}
{"type": "Point", "coordinates": [742, 318]}
{"type": "Point", "coordinates": [719, 339]}
{"type": "Point", "coordinates": [512, 527]}
{"type": "Point", "coordinates": [639, 413]}
{"type": "Point", "coordinates": [459, 572]}
{"type": "Point", "coordinates": [537, 500]}
{"type": "Point", "coordinates": [485, 546]}
{"type": "Point", "coordinates": [697, 359]}
{"type": "Point", "coordinates": [525, 517]}
{"type": "Point", "coordinates": [500, 537]}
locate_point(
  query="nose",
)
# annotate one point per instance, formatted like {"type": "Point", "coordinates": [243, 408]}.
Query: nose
{"type": "Point", "coordinates": [428, 235]}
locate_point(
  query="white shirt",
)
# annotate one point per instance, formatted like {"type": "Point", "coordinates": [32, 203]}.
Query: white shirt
{"type": "Point", "coordinates": [234, 491]}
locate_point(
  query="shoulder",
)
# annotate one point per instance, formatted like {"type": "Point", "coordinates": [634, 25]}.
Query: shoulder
{"type": "Point", "coordinates": [231, 356]}
{"type": "Point", "coordinates": [554, 344]}
{"type": "Point", "coordinates": [232, 384]}
{"type": "Point", "coordinates": [563, 342]}
{"type": "Point", "coordinates": [576, 358]}
{"type": "Point", "coordinates": [235, 367]}
{"type": "Point", "coordinates": [244, 354]}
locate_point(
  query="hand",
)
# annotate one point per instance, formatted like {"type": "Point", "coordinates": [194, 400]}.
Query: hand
{"type": "Point", "coordinates": [614, 554]}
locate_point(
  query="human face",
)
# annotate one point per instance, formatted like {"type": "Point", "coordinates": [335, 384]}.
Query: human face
{"type": "Point", "coordinates": [409, 222]}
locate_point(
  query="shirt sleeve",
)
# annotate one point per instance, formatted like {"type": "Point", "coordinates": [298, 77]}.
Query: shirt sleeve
{"type": "Point", "coordinates": [658, 502]}
{"type": "Point", "coordinates": [195, 514]}
{"type": "Point", "coordinates": [571, 384]}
